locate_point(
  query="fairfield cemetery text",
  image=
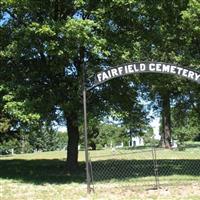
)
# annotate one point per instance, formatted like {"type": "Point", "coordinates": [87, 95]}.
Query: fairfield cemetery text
{"type": "Point", "coordinates": [152, 67]}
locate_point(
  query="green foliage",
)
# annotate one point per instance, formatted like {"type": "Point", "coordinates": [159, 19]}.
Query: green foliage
{"type": "Point", "coordinates": [4, 125]}
{"type": "Point", "coordinates": [46, 139]}
{"type": "Point", "coordinates": [112, 134]}
{"type": "Point", "coordinates": [185, 119]}
{"type": "Point", "coordinates": [191, 32]}
{"type": "Point", "coordinates": [61, 140]}
{"type": "Point", "coordinates": [39, 40]}
{"type": "Point", "coordinates": [38, 140]}
{"type": "Point", "coordinates": [185, 132]}
{"type": "Point", "coordinates": [16, 117]}
{"type": "Point", "coordinates": [148, 136]}
{"type": "Point", "coordinates": [19, 109]}
{"type": "Point", "coordinates": [7, 146]}
{"type": "Point", "coordinates": [103, 134]}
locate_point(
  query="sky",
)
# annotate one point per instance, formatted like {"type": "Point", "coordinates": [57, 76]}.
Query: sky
{"type": "Point", "coordinates": [155, 124]}
{"type": "Point", "coordinates": [62, 129]}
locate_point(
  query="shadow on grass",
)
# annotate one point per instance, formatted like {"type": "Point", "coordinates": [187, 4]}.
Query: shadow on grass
{"type": "Point", "coordinates": [40, 171]}
{"type": "Point", "coordinates": [125, 169]}
{"type": "Point", "coordinates": [193, 145]}
{"type": "Point", "coordinates": [54, 171]}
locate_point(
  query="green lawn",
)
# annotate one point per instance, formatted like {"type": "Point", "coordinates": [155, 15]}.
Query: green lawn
{"type": "Point", "coordinates": [123, 174]}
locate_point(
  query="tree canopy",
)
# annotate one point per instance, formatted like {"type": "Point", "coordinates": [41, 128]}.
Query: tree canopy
{"type": "Point", "coordinates": [44, 46]}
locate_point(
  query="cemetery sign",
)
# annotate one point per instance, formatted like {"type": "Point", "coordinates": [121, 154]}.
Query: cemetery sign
{"type": "Point", "coordinates": [146, 67]}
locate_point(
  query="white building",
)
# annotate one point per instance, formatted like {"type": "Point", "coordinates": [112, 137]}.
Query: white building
{"type": "Point", "coordinates": [136, 141]}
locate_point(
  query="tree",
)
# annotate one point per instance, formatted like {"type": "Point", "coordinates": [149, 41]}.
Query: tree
{"type": "Point", "coordinates": [15, 115]}
{"type": "Point", "coordinates": [112, 134]}
{"type": "Point", "coordinates": [188, 104]}
{"type": "Point", "coordinates": [42, 41]}
{"type": "Point", "coordinates": [185, 117]}
{"type": "Point", "coordinates": [167, 40]}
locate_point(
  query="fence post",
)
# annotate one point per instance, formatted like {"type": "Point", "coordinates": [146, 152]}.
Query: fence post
{"type": "Point", "coordinates": [155, 165]}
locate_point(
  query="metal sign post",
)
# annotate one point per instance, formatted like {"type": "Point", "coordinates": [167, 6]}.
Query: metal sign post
{"type": "Point", "coordinates": [85, 133]}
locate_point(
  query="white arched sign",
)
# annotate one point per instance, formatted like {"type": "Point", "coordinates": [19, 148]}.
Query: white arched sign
{"type": "Point", "coordinates": [146, 67]}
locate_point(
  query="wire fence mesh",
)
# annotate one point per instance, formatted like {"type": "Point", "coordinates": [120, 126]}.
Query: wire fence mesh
{"type": "Point", "coordinates": [147, 166]}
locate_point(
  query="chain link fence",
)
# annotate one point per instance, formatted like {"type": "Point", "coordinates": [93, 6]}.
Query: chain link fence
{"type": "Point", "coordinates": [152, 167]}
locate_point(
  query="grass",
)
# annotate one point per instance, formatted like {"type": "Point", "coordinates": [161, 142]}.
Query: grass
{"type": "Point", "coordinates": [127, 174]}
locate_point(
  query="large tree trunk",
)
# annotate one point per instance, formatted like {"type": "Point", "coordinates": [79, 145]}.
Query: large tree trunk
{"type": "Point", "coordinates": [93, 146]}
{"type": "Point", "coordinates": [166, 121]}
{"type": "Point", "coordinates": [73, 139]}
